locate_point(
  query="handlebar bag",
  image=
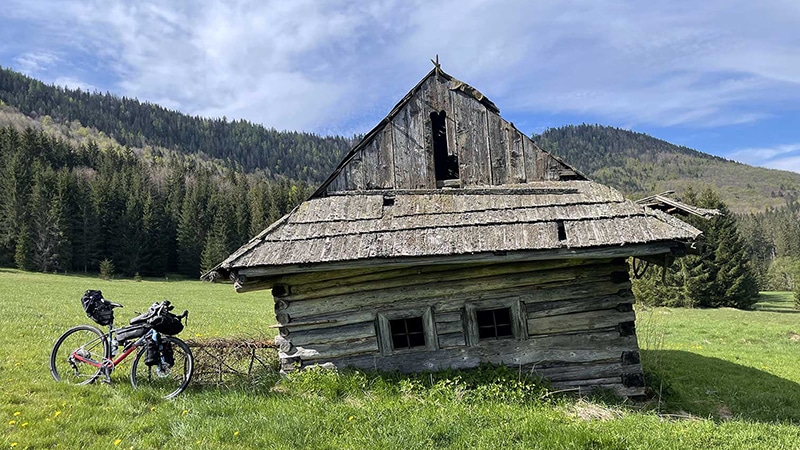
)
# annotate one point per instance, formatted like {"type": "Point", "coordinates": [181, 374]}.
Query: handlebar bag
{"type": "Point", "coordinates": [166, 323]}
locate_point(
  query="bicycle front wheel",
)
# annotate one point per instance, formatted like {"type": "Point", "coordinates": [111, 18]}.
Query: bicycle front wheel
{"type": "Point", "coordinates": [75, 352]}
{"type": "Point", "coordinates": [162, 378]}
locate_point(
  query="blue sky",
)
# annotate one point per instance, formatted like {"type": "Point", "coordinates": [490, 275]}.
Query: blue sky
{"type": "Point", "coordinates": [720, 76]}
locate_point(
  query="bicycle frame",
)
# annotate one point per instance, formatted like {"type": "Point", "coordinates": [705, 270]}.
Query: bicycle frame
{"type": "Point", "coordinates": [121, 357]}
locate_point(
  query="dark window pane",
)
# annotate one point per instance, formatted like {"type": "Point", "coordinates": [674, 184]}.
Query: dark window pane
{"type": "Point", "coordinates": [485, 318]}
{"type": "Point", "coordinates": [502, 316]}
{"type": "Point", "coordinates": [494, 323]}
{"type": "Point", "coordinates": [414, 325]}
{"type": "Point", "coordinates": [504, 330]}
{"type": "Point", "coordinates": [416, 340]}
{"type": "Point", "coordinates": [407, 333]}
{"type": "Point", "coordinates": [399, 341]}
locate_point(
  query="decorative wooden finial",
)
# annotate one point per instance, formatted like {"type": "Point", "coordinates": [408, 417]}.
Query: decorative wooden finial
{"type": "Point", "coordinates": [436, 64]}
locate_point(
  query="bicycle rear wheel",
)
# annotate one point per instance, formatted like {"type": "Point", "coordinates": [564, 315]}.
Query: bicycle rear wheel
{"type": "Point", "coordinates": [83, 342]}
{"type": "Point", "coordinates": [164, 380]}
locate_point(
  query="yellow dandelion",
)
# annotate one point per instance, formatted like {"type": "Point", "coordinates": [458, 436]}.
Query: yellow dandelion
{"type": "Point", "coordinates": [12, 422]}
{"type": "Point", "coordinates": [24, 424]}
{"type": "Point", "coordinates": [185, 412]}
{"type": "Point", "coordinates": [236, 433]}
{"type": "Point", "coordinates": [350, 418]}
{"type": "Point", "coordinates": [116, 442]}
{"type": "Point", "coordinates": [17, 413]}
{"type": "Point", "coordinates": [14, 444]}
{"type": "Point", "coordinates": [197, 441]}
{"type": "Point", "coordinates": [58, 413]}
{"type": "Point", "coordinates": [152, 408]}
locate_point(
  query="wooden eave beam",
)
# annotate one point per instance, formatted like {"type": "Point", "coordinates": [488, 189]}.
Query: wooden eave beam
{"type": "Point", "coordinates": [258, 278]}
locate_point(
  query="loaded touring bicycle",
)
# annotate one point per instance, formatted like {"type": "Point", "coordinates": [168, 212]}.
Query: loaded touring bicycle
{"type": "Point", "coordinates": [163, 363]}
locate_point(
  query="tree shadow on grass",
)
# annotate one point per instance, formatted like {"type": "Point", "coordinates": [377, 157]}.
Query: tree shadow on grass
{"type": "Point", "coordinates": [711, 387]}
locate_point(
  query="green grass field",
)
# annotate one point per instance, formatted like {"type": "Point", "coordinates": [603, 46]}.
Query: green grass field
{"type": "Point", "coordinates": [726, 378]}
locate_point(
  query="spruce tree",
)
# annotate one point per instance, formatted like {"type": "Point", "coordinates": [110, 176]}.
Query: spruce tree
{"type": "Point", "coordinates": [720, 276]}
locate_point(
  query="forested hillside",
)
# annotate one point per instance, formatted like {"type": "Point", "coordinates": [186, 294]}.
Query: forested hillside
{"type": "Point", "coordinates": [641, 165]}
{"type": "Point", "coordinates": [67, 207]}
{"type": "Point", "coordinates": [296, 155]}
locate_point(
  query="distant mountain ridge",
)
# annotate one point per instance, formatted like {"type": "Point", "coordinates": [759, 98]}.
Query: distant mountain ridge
{"type": "Point", "coordinates": [640, 165]}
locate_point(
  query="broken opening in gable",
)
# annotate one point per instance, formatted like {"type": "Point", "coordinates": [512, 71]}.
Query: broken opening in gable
{"type": "Point", "coordinates": [446, 165]}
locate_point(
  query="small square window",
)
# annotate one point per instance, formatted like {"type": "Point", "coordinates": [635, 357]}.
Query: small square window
{"type": "Point", "coordinates": [494, 323]}
{"type": "Point", "coordinates": [407, 333]}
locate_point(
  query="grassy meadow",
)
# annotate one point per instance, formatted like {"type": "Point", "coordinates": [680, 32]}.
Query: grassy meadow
{"type": "Point", "coordinates": [723, 379]}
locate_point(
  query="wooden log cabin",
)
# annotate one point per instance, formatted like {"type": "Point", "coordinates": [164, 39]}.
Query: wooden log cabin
{"type": "Point", "coordinates": [447, 238]}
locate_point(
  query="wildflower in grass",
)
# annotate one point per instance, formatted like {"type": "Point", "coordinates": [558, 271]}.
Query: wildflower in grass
{"type": "Point", "coordinates": [185, 412]}
{"type": "Point", "coordinates": [152, 408]}
{"type": "Point", "coordinates": [17, 413]}
{"type": "Point", "coordinates": [24, 424]}
{"type": "Point", "coordinates": [14, 444]}
{"type": "Point", "coordinates": [350, 418]}
{"type": "Point", "coordinates": [12, 422]}
{"type": "Point", "coordinates": [116, 442]}
{"type": "Point", "coordinates": [236, 433]}
{"type": "Point", "coordinates": [58, 413]}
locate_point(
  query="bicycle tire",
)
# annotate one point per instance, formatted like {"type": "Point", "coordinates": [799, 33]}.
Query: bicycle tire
{"type": "Point", "coordinates": [166, 383]}
{"type": "Point", "coordinates": [87, 339]}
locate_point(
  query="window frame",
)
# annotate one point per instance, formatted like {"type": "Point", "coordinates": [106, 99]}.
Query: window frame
{"type": "Point", "coordinates": [384, 329]}
{"type": "Point", "coordinates": [519, 320]}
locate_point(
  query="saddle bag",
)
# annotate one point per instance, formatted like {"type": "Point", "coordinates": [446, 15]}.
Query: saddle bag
{"type": "Point", "coordinates": [97, 308]}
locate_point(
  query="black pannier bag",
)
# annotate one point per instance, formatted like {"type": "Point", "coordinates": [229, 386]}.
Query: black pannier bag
{"type": "Point", "coordinates": [97, 308]}
{"type": "Point", "coordinates": [131, 332]}
{"type": "Point", "coordinates": [166, 323]}
{"type": "Point", "coordinates": [167, 353]}
{"type": "Point", "coordinates": [151, 356]}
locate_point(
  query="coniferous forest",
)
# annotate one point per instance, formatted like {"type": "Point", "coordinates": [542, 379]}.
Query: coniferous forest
{"type": "Point", "coordinates": [68, 208]}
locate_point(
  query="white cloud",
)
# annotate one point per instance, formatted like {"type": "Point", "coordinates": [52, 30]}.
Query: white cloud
{"type": "Point", "coordinates": [783, 157]}
{"type": "Point", "coordinates": [33, 62]}
{"type": "Point", "coordinates": [333, 66]}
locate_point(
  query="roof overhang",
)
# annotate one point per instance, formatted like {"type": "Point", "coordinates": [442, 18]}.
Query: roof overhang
{"type": "Point", "coordinates": [265, 277]}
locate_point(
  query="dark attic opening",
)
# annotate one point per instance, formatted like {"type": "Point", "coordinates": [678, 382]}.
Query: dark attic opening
{"type": "Point", "coordinates": [446, 164]}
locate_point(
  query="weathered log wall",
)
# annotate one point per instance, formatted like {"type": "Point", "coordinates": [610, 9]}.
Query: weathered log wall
{"type": "Point", "coordinates": [573, 320]}
{"type": "Point", "coordinates": [490, 150]}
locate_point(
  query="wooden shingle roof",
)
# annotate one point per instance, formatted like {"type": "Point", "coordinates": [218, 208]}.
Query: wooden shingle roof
{"type": "Point", "coordinates": [368, 225]}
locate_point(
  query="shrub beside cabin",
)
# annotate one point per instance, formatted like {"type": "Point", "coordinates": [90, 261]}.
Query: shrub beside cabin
{"type": "Point", "coordinates": [447, 238]}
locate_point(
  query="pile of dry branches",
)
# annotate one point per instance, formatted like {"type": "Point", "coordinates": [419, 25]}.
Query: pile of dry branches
{"type": "Point", "coordinates": [218, 361]}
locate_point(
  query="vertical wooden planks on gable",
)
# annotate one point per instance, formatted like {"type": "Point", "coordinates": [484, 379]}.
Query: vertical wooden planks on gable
{"type": "Point", "coordinates": [533, 161]}
{"type": "Point", "coordinates": [386, 171]}
{"type": "Point", "coordinates": [471, 140]}
{"type": "Point", "coordinates": [425, 100]}
{"type": "Point", "coordinates": [355, 174]}
{"type": "Point", "coordinates": [480, 141]}
{"type": "Point", "coordinates": [462, 126]}
{"type": "Point", "coordinates": [376, 163]}
{"type": "Point", "coordinates": [408, 137]}
{"type": "Point", "coordinates": [498, 149]}
{"type": "Point", "coordinates": [516, 167]}
{"type": "Point", "coordinates": [400, 146]}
